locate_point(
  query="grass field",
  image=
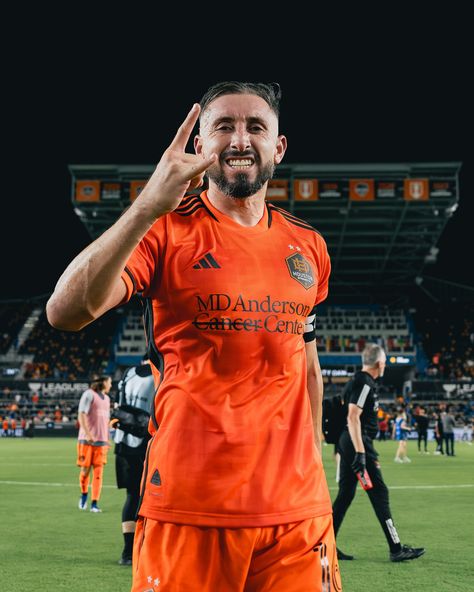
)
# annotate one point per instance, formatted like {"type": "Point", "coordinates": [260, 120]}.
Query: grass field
{"type": "Point", "coordinates": [47, 544]}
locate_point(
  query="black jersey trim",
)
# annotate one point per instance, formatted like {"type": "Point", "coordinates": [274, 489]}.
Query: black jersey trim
{"type": "Point", "coordinates": [199, 203]}
{"type": "Point", "coordinates": [293, 219]}
{"type": "Point", "coordinates": [189, 203]}
{"type": "Point", "coordinates": [130, 275]}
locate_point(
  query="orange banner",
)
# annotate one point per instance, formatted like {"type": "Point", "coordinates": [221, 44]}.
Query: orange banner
{"type": "Point", "coordinates": [277, 190]}
{"type": "Point", "coordinates": [110, 190]}
{"type": "Point", "coordinates": [135, 188]}
{"type": "Point", "coordinates": [87, 190]}
{"type": "Point", "coordinates": [416, 189]}
{"type": "Point", "coordinates": [305, 189]}
{"type": "Point", "coordinates": [361, 190]}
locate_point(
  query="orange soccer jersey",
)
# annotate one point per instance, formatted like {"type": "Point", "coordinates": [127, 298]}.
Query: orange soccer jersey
{"type": "Point", "coordinates": [225, 317]}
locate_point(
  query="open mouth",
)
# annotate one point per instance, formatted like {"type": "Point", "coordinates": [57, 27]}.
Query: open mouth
{"type": "Point", "coordinates": [239, 163]}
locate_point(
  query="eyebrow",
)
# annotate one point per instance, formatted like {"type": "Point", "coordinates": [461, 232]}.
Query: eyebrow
{"type": "Point", "coordinates": [227, 119]}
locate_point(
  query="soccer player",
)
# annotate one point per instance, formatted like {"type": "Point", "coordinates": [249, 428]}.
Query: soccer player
{"type": "Point", "coordinates": [234, 494]}
{"type": "Point", "coordinates": [136, 390]}
{"type": "Point", "coordinates": [93, 439]}
{"type": "Point", "coordinates": [400, 433]}
{"type": "Point", "coordinates": [358, 453]}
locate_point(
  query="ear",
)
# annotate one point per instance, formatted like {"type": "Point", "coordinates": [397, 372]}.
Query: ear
{"type": "Point", "coordinates": [280, 149]}
{"type": "Point", "coordinates": [197, 144]}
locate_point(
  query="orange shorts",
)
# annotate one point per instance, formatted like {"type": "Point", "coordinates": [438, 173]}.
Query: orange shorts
{"type": "Point", "coordinates": [296, 557]}
{"type": "Point", "coordinates": [91, 456]}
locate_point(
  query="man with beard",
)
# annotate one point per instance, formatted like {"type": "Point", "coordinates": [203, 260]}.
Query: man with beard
{"type": "Point", "coordinates": [233, 494]}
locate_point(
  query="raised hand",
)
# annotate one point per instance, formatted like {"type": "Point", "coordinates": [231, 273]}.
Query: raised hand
{"type": "Point", "coordinates": [177, 171]}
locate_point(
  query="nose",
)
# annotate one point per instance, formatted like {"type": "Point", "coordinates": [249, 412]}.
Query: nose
{"type": "Point", "coordinates": [240, 138]}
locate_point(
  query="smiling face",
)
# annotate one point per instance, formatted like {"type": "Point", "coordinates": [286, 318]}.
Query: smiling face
{"type": "Point", "coordinates": [242, 130]}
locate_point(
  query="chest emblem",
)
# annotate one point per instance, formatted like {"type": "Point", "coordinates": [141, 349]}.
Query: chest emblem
{"type": "Point", "coordinates": [300, 270]}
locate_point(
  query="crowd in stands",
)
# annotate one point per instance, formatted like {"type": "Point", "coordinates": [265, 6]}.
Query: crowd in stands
{"type": "Point", "coordinates": [65, 355]}
{"type": "Point", "coordinates": [39, 407]}
{"type": "Point", "coordinates": [347, 330]}
{"type": "Point", "coordinates": [12, 318]}
{"type": "Point", "coordinates": [448, 340]}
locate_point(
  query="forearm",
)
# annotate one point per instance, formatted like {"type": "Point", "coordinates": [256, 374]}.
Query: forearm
{"type": "Point", "coordinates": [91, 283]}
{"type": "Point", "coordinates": [355, 433]}
{"type": "Point", "coordinates": [315, 386]}
{"type": "Point", "coordinates": [85, 425]}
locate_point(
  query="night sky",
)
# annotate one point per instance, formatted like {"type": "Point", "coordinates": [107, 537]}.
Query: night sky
{"type": "Point", "coordinates": [109, 100]}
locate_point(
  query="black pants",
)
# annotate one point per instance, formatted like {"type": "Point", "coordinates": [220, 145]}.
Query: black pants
{"type": "Point", "coordinates": [378, 495]}
{"type": "Point", "coordinates": [128, 472]}
{"type": "Point", "coordinates": [439, 444]}
{"type": "Point", "coordinates": [449, 440]}
{"type": "Point", "coordinates": [422, 437]}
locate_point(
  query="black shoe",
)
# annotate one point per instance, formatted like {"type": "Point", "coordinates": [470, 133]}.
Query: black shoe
{"type": "Point", "coordinates": [125, 561]}
{"type": "Point", "coordinates": [407, 553]}
{"type": "Point", "coordinates": [342, 556]}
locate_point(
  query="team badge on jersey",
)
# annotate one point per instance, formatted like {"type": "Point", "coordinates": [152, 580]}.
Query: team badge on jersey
{"type": "Point", "coordinates": [300, 270]}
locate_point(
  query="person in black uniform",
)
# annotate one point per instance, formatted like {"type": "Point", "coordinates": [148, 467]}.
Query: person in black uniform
{"type": "Point", "coordinates": [358, 454]}
{"type": "Point", "coordinates": [136, 392]}
{"type": "Point", "coordinates": [421, 424]}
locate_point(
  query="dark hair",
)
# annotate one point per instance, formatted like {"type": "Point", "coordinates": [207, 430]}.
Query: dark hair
{"type": "Point", "coordinates": [98, 382]}
{"type": "Point", "coordinates": [268, 91]}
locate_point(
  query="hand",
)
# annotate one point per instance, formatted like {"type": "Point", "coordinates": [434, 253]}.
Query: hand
{"type": "Point", "coordinates": [358, 464]}
{"type": "Point", "coordinates": [176, 173]}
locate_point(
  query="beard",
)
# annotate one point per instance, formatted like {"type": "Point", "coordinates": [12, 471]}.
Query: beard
{"type": "Point", "coordinates": [241, 187]}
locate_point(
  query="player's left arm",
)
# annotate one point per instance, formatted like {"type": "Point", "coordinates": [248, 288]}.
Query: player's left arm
{"type": "Point", "coordinates": [314, 381]}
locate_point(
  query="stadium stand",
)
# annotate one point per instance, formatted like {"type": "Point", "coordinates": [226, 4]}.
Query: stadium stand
{"type": "Point", "coordinates": [381, 223]}
{"type": "Point", "coordinates": [67, 355]}
{"type": "Point", "coordinates": [13, 316]}
{"type": "Point", "coordinates": [448, 339]}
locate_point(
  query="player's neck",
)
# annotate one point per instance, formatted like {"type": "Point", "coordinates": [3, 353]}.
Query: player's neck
{"type": "Point", "coordinates": [372, 371]}
{"type": "Point", "coordinates": [245, 211]}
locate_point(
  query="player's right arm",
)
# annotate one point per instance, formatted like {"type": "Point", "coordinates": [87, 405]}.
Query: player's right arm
{"type": "Point", "coordinates": [354, 427]}
{"type": "Point", "coordinates": [82, 417]}
{"type": "Point", "coordinates": [92, 284]}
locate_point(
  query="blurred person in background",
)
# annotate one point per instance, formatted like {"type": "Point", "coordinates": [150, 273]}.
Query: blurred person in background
{"type": "Point", "coordinates": [400, 433]}
{"type": "Point", "coordinates": [93, 439]}
{"type": "Point", "coordinates": [358, 455]}
{"type": "Point", "coordinates": [421, 425]}
{"type": "Point", "coordinates": [136, 390]}
{"type": "Point", "coordinates": [449, 424]}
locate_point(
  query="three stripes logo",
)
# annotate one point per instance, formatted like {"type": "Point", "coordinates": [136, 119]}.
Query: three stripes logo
{"type": "Point", "coordinates": [207, 262]}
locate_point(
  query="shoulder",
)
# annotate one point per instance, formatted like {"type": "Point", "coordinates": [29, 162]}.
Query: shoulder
{"type": "Point", "coordinates": [281, 217]}
{"type": "Point", "coordinates": [191, 208]}
{"type": "Point", "coordinates": [361, 379]}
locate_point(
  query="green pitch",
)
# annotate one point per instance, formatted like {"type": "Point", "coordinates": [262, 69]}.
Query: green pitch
{"type": "Point", "coordinates": [47, 544]}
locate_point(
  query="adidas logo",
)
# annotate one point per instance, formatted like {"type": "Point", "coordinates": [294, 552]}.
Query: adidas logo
{"type": "Point", "coordinates": [207, 262]}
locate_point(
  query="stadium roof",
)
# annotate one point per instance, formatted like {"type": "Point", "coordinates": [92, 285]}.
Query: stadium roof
{"type": "Point", "coordinates": [382, 222]}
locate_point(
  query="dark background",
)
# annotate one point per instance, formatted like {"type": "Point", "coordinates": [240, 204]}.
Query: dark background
{"type": "Point", "coordinates": [89, 92]}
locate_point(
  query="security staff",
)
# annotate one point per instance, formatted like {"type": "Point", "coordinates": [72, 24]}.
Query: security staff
{"type": "Point", "coordinates": [357, 453]}
{"type": "Point", "coordinates": [136, 391]}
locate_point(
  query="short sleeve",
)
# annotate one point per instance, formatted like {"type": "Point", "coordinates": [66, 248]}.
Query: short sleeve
{"type": "Point", "coordinates": [324, 270]}
{"type": "Point", "coordinates": [359, 393]}
{"type": "Point", "coordinates": [142, 268]}
{"type": "Point", "coordinates": [85, 402]}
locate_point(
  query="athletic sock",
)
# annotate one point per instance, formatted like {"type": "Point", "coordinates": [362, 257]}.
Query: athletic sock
{"type": "Point", "coordinates": [391, 535]}
{"type": "Point", "coordinates": [83, 498]}
{"type": "Point", "coordinates": [97, 482]}
{"type": "Point", "coordinates": [128, 544]}
{"type": "Point", "coordinates": [84, 482]}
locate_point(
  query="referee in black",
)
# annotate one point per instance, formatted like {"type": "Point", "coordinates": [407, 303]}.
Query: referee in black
{"type": "Point", "coordinates": [357, 453]}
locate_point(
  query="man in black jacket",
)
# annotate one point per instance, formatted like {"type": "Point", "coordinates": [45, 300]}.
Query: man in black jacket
{"type": "Point", "coordinates": [136, 392]}
{"type": "Point", "coordinates": [359, 457]}
{"type": "Point", "coordinates": [421, 424]}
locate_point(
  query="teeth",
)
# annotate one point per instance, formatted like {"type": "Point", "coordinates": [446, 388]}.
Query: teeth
{"type": "Point", "coordinates": [244, 162]}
